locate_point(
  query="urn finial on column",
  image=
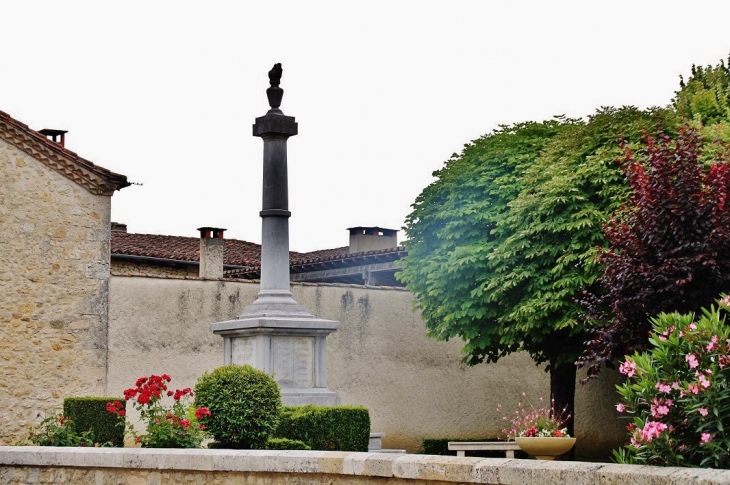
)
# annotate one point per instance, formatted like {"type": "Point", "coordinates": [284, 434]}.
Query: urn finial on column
{"type": "Point", "coordinates": [275, 93]}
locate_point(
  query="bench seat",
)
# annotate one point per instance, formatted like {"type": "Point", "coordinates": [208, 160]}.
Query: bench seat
{"type": "Point", "coordinates": [461, 447]}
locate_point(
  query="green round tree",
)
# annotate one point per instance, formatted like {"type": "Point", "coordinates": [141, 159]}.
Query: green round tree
{"type": "Point", "coordinates": [244, 403]}
{"type": "Point", "coordinates": [502, 243]}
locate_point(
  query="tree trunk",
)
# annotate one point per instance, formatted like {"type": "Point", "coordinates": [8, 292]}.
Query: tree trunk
{"type": "Point", "coordinates": [562, 397]}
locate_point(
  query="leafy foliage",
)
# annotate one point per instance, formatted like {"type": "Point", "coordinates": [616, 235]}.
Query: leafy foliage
{"type": "Point", "coordinates": [286, 444]}
{"type": "Point", "coordinates": [330, 428]}
{"type": "Point", "coordinates": [705, 97]}
{"type": "Point", "coordinates": [451, 237]}
{"type": "Point", "coordinates": [679, 393]}
{"type": "Point", "coordinates": [244, 402]}
{"type": "Point", "coordinates": [58, 430]}
{"type": "Point", "coordinates": [547, 240]}
{"type": "Point", "coordinates": [90, 414]}
{"type": "Point", "coordinates": [669, 248]}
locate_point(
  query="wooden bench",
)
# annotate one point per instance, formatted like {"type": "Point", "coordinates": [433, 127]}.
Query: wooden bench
{"type": "Point", "coordinates": [461, 447]}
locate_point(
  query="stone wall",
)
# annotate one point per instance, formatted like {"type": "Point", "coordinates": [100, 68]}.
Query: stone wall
{"type": "Point", "coordinates": [134, 268]}
{"type": "Point", "coordinates": [54, 248]}
{"type": "Point", "coordinates": [415, 387]}
{"type": "Point", "coordinates": [102, 466]}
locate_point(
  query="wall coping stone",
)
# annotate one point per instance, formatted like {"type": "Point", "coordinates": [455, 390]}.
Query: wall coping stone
{"type": "Point", "coordinates": [498, 471]}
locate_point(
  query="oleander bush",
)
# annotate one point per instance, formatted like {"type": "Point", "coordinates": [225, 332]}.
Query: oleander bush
{"type": "Point", "coordinates": [678, 393]}
{"type": "Point", "coordinates": [332, 428]}
{"type": "Point", "coordinates": [244, 403]}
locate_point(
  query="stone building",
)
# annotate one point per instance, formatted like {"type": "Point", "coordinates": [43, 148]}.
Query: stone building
{"type": "Point", "coordinates": [54, 276]}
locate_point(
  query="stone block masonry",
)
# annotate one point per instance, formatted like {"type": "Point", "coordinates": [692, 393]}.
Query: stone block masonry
{"type": "Point", "coordinates": [137, 466]}
{"type": "Point", "coordinates": [54, 249]}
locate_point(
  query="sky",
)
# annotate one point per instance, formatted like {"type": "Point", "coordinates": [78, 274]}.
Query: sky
{"type": "Point", "coordinates": [384, 92]}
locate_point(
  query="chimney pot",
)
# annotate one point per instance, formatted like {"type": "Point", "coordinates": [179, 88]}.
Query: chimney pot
{"type": "Point", "coordinates": [53, 134]}
{"type": "Point", "coordinates": [119, 227]}
{"type": "Point", "coordinates": [211, 253]}
{"type": "Point", "coordinates": [371, 239]}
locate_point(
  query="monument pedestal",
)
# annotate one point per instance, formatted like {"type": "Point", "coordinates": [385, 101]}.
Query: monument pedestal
{"type": "Point", "coordinates": [291, 348]}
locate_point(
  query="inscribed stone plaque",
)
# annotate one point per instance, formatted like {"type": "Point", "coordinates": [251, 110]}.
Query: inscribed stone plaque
{"type": "Point", "coordinates": [293, 361]}
{"type": "Point", "coordinates": [243, 351]}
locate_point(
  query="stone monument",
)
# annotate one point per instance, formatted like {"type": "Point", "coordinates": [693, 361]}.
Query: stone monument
{"type": "Point", "coordinates": [275, 333]}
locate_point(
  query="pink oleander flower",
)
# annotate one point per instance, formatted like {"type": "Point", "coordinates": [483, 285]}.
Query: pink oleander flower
{"type": "Point", "coordinates": [660, 407]}
{"type": "Point", "coordinates": [713, 343]}
{"type": "Point", "coordinates": [652, 430]}
{"type": "Point", "coordinates": [628, 368]}
{"type": "Point", "coordinates": [692, 326]}
{"type": "Point", "coordinates": [705, 438]}
{"type": "Point", "coordinates": [704, 381]}
{"type": "Point", "coordinates": [726, 301]}
{"type": "Point", "coordinates": [703, 411]}
{"type": "Point", "coordinates": [635, 442]}
{"type": "Point", "coordinates": [691, 360]}
{"type": "Point", "coordinates": [620, 408]}
{"type": "Point", "coordinates": [663, 387]}
{"type": "Point", "coordinates": [693, 388]}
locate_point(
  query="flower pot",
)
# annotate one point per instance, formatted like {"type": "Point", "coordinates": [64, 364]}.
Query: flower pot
{"type": "Point", "coordinates": [545, 448]}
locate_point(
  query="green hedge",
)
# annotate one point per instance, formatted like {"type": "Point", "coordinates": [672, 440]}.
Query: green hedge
{"type": "Point", "coordinates": [440, 446]}
{"type": "Point", "coordinates": [90, 414]}
{"type": "Point", "coordinates": [286, 444]}
{"type": "Point", "coordinates": [330, 428]}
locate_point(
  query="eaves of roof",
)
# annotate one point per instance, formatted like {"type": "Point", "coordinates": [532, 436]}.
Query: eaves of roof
{"type": "Point", "coordinates": [94, 178]}
{"type": "Point", "coordinates": [303, 265]}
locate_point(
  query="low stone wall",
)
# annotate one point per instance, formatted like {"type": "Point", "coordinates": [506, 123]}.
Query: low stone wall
{"type": "Point", "coordinates": [136, 466]}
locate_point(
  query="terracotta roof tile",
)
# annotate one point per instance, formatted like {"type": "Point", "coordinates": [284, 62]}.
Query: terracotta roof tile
{"type": "Point", "coordinates": [341, 254]}
{"type": "Point", "coordinates": [322, 253]}
{"type": "Point", "coordinates": [235, 252]}
{"type": "Point", "coordinates": [239, 253]}
{"type": "Point", "coordinates": [327, 258]}
{"type": "Point", "coordinates": [94, 178]}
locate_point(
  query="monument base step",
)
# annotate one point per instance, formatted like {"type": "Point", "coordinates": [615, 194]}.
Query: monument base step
{"type": "Point", "coordinates": [302, 397]}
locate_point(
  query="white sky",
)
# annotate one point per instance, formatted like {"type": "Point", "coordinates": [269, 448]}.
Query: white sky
{"type": "Point", "coordinates": [383, 91]}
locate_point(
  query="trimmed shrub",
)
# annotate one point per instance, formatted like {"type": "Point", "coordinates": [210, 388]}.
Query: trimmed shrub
{"type": "Point", "coordinates": [286, 444]}
{"type": "Point", "coordinates": [244, 402]}
{"type": "Point", "coordinates": [440, 446]}
{"type": "Point", "coordinates": [90, 414]}
{"type": "Point", "coordinates": [330, 428]}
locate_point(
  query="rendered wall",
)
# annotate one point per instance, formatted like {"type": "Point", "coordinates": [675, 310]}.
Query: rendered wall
{"type": "Point", "coordinates": [415, 387]}
{"type": "Point", "coordinates": [54, 249]}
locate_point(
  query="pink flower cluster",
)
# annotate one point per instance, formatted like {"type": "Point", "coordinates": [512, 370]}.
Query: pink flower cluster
{"type": "Point", "coordinates": [660, 407]}
{"type": "Point", "coordinates": [628, 368]}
